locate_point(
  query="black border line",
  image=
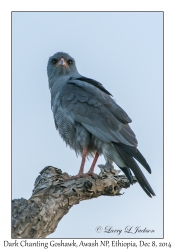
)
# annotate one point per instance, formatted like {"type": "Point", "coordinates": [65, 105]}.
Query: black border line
{"type": "Point", "coordinates": [162, 131]}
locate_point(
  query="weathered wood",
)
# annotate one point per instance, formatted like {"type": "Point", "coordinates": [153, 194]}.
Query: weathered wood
{"type": "Point", "coordinates": [54, 195]}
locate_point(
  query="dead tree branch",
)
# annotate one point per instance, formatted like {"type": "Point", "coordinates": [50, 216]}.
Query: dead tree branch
{"type": "Point", "coordinates": [54, 195]}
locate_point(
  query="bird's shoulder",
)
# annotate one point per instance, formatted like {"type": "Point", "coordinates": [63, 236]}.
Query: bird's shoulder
{"type": "Point", "coordinates": [96, 111]}
{"type": "Point", "coordinates": [81, 93]}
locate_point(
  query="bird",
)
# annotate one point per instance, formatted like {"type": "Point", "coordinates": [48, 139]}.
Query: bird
{"type": "Point", "coordinates": [91, 122]}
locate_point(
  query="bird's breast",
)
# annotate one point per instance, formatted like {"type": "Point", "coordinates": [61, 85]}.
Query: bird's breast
{"type": "Point", "coordinates": [72, 132]}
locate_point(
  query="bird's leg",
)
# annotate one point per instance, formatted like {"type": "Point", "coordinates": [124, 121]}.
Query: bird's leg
{"type": "Point", "coordinates": [91, 170]}
{"type": "Point", "coordinates": [81, 171]}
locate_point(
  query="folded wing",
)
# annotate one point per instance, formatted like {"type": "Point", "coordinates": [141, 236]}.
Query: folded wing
{"type": "Point", "coordinates": [97, 112]}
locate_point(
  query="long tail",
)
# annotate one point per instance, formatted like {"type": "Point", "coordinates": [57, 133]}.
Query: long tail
{"type": "Point", "coordinates": [127, 154]}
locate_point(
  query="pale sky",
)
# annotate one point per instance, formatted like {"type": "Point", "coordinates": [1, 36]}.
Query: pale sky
{"type": "Point", "coordinates": [123, 51]}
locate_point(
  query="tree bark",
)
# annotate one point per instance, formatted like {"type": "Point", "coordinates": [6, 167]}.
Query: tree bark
{"type": "Point", "coordinates": [54, 195]}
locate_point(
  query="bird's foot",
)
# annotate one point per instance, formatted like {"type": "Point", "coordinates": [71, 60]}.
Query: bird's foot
{"type": "Point", "coordinates": [79, 175]}
{"type": "Point", "coordinates": [82, 175]}
{"type": "Point", "coordinates": [93, 175]}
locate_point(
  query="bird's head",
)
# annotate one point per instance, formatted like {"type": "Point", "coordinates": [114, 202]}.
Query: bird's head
{"type": "Point", "coordinates": [61, 64]}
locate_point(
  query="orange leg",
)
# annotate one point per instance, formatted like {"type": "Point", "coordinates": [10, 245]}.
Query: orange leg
{"type": "Point", "coordinates": [91, 170]}
{"type": "Point", "coordinates": [81, 171]}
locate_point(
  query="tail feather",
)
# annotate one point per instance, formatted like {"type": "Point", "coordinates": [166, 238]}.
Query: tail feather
{"type": "Point", "coordinates": [128, 174]}
{"type": "Point", "coordinates": [134, 152]}
{"type": "Point", "coordinates": [131, 163]}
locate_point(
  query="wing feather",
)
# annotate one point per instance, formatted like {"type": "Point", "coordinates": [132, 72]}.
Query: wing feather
{"type": "Point", "coordinates": [94, 109]}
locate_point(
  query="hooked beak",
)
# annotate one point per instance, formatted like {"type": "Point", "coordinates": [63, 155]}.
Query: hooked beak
{"type": "Point", "coordinates": [62, 62]}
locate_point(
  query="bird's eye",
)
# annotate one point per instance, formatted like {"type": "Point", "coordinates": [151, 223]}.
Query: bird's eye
{"type": "Point", "coordinates": [54, 61]}
{"type": "Point", "coordinates": [69, 61]}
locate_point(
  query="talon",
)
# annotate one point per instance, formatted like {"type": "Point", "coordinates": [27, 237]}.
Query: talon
{"type": "Point", "coordinates": [87, 175]}
{"type": "Point", "coordinates": [93, 175]}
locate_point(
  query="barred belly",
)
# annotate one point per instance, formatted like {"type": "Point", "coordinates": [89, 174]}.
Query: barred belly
{"type": "Point", "coordinates": [73, 133]}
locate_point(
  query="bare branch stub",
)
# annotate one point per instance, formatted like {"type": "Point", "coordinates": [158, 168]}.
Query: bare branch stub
{"type": "Point", "coordinates": [53, 195]}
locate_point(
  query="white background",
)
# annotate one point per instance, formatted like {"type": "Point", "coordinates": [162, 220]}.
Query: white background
{"type": "Point", "coordinates": [122, 50]}
{"type": "Point", "coordinates": [121, 78]}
